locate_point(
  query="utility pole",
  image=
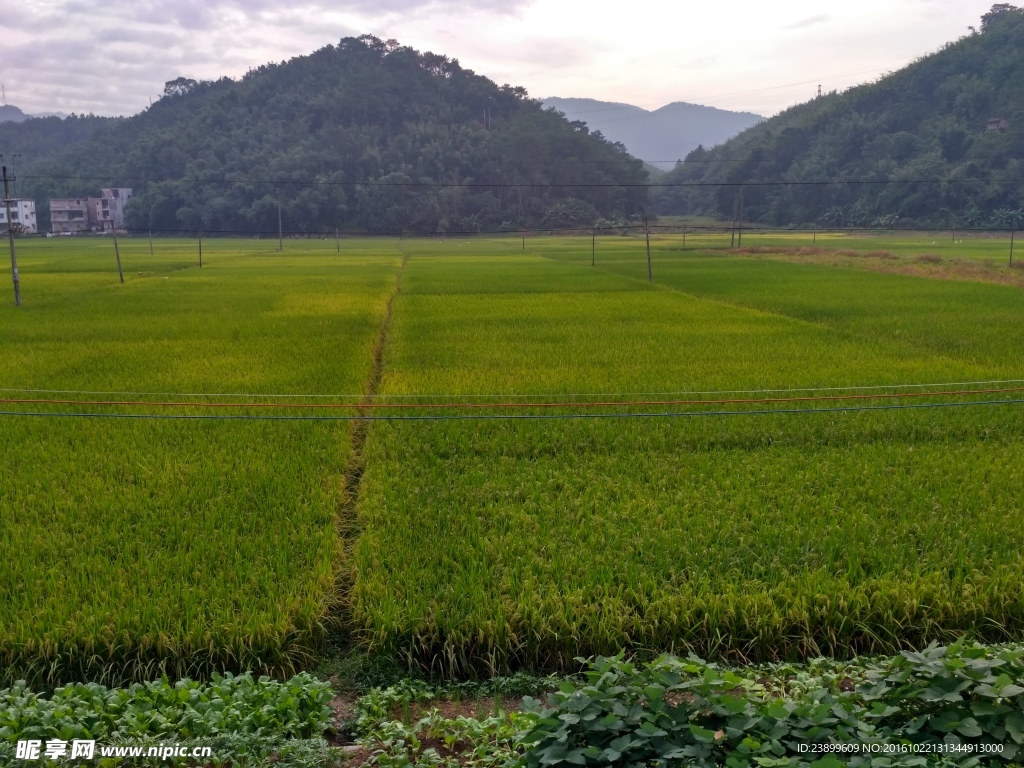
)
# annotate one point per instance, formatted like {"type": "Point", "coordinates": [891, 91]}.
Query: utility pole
{"type": "Point", "coordinates": [337, 239]}
{"type": "Point", "coordinates": [10, 239]}
{"type": "Point", "coordinates": [735, 213]}
{"type": "Point", "coordinates": [151, 242]}
{"type": "Point", "coordinates": [117, 251]}
{"type": "Point", "coordinates": [200, 250]}
{"type": "Point", "coordinates": [593, 246]}
{"type": "Point", "coordinates": [739, 239]}
{"type": "Point", "coordinates": [684, 236]}
{"type": "Point", "coordinates": [1012, 233]}
{"type": "Point", "coordinates": [280, 233]}
{"type": "Point", "coordinates": [647, 234]}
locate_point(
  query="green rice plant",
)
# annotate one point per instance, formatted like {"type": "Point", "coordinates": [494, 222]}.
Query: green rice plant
{"type": "Point", "coordinates": [491, 545]}
{"type": "Point", "coordinates": [132, 548]}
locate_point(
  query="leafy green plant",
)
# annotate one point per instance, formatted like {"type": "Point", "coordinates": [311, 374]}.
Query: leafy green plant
{"type": "Point", "coordinates": [245, 720]}
{"type": "Point", "coordinates": [962, 703]}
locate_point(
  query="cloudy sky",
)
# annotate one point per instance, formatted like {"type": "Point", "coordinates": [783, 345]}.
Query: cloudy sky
{"type": "Point", "coordinates": [111, 56]}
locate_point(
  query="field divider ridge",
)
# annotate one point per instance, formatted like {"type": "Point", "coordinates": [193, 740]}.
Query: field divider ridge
{"type": "Point", "coordinates": [355, 465]}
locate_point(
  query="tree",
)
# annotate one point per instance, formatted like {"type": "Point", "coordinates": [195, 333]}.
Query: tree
{"type": "Point", "coordinates": [997, 12]}
{"type": "Point", "coordinates": [179, 86]}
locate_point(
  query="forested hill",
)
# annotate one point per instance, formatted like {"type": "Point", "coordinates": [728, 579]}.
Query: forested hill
{"type": "Point", "coordinates": [366, 135]}
{"type": "Point", "coordinates": [923, 123]}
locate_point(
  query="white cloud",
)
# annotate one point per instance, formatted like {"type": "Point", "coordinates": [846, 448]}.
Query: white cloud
{"type": "Point", "coordinates": [111, 57]}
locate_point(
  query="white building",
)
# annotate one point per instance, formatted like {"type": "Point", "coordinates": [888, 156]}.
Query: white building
{"type": "Point", "coordinates": [23, 217]}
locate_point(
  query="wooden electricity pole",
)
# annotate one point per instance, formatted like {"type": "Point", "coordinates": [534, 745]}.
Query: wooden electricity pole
{"type": "Point", "coordinates": [151, 242]}
{"type": "Point", "coordinates": [10, 239]}
{"type": "Point", "coordinates": [280, 233]}
{"type": "Point", "coordinates": [1012, 233]}
{"type": "Point", "coordinates": [739, 234]}
{"type": "Point", "coordinates": [593, 246]}
{"type": "Point", "coordinates": [735, 212]}
{"type": "Point", "coordinates": [647, 235]}
{"type": "Point", "coordinates": [117, 251]}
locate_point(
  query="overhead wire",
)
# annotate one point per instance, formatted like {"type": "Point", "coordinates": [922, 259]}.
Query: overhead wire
{"type": "Point", "coordinates": [845, 388]}
{"type": "Point", "coordinates": [514, 404]}
{"type": "Point", "coordinates": [511, 416]}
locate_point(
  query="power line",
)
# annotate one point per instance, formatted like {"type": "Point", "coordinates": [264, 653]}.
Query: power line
{"type": "Point", "coordinates": [511, 395]}
{"type": "Point", "coordinates": [507, 404]}
{"type": "Point", "coordinates": [533, 185]}
{"type": "Point", "coordinates": [507, 416]}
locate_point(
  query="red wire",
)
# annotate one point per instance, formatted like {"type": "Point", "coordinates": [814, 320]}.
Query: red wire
{"type": "Point", "coordinates": [584, 404]}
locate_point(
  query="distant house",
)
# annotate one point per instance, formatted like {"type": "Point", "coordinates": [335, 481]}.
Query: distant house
{"type": "Point", "coordinates": [996, 124]}
{"type": "Point", "coordinates": [23, 217]}
{"type": "Point", "coordinates": [90, 214]}
{"type": "Point", "coordinates": [69, 216]}
{"type": "Point", "coordinates": [106, 212]}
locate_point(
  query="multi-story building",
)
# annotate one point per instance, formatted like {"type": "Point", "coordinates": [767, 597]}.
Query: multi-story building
{"type": "Point", "coordinates": [89, 214]}
{"type": "Point", "coordinates": [106, 212]}
{"type": "Point", "coordinates": [23, 217]}
{"type": "Point", "coordinates": [69, 215]}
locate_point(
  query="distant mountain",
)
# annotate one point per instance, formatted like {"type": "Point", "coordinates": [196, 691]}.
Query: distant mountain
{"type": "Point", "coordinates": [11, 114]}
{"type": "Point", "coordinates": [364, 135]}
{"type": "Point", "coordinates": [658, 137]}
{"type": "Point", "coordinates": [938, 142]}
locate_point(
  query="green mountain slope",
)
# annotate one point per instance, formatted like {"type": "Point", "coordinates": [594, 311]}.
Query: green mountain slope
{"type": "Point", "coordinates": [364, 135]}
{"type": "Point", "coordinates": [924, 123]}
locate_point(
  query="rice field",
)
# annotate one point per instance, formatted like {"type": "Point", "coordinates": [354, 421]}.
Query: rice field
{"type": "Point", "coordinates": [134, 547]}
{"type": "Point", "coordinates": [754, 537]}
{"type": "Point", "coordinates": [489, 544]}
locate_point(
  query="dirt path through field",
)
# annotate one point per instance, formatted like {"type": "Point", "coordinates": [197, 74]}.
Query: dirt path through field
{"type": "Point", "coordinates": [348, 528]}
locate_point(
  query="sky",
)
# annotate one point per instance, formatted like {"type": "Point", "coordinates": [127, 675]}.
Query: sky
{"type": "Point", "coordinates": [110, 57]}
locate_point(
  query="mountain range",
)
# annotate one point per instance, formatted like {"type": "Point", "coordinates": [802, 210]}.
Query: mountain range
{"type": "Point", "coordinates": [659, 137]}
{"type": "Point", "coordinates": [12, 114]}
